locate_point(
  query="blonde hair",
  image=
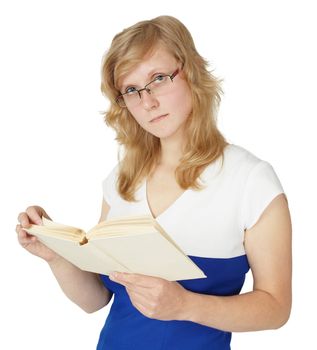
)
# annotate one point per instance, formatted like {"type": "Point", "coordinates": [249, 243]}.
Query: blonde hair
{"type": "Point", "coordinates": [142, 150]}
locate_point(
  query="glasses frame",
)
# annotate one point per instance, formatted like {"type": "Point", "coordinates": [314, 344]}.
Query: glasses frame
{"type": "Point", "coordinates": [171, 76]}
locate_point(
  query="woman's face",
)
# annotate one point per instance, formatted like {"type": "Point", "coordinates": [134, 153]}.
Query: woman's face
{"type": "Point", "coordinates": [162, 114]}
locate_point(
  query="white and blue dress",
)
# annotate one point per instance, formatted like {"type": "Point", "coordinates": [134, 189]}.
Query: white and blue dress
{"type": "Point", "coordinates": [209, 226]}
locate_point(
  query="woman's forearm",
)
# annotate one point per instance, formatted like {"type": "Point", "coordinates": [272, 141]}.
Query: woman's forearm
{"type": "Point", "coordinates": [84, 288]}
{"type": "Point", "coordinates": [257, 310]}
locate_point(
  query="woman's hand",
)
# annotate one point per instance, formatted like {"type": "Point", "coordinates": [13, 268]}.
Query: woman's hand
{"type": "Point", "coordinates": [33, 215]}
{"type": "Point", "coordinates": [154, 297]}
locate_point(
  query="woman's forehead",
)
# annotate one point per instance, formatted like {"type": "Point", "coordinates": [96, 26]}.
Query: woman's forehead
{"type": "Point", "coordinates": [160, 61]}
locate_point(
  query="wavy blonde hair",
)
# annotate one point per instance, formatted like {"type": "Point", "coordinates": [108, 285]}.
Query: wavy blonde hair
{"type": "Point", "coordinates": [141, 149]}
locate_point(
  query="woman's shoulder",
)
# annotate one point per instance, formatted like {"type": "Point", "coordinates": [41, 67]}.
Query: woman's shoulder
{"type": "Point", "coordinates": [237, 162]}
{"type": "Point", "coordinates": [237, 156]}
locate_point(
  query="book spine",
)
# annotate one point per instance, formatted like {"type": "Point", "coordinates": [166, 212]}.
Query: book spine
{"type": "Point", "coordinates": [83, 241]}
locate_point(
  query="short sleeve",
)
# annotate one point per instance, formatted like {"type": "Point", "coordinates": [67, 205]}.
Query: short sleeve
{"type": "Point", "coordinates": [261, 188]}
{"type": "Point", "coordinates": [109, 186]}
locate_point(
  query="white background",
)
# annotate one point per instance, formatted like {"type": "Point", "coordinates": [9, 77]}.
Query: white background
{"type": "Point", "coordinates": [55, 148]}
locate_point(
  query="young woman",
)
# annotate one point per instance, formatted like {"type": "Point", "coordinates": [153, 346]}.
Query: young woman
{"type": "Point", "coordinates": [223, 206]}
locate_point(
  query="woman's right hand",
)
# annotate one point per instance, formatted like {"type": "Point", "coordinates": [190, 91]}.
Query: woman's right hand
{"type": "Point", "coordinates": [33, 215]}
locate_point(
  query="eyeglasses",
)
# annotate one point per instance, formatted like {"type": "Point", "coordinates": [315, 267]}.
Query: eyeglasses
{"type": "Point", "coordinates": [161, 84]}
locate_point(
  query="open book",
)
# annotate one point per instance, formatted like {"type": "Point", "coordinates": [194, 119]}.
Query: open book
{"type": "Point", "coordinates": [136, 244]}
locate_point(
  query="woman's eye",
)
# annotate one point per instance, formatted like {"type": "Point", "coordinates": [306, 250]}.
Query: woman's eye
{"type": "Point", "coordinates": [131, 90]}
{"type": "Point", "coordinates": [159, 78]}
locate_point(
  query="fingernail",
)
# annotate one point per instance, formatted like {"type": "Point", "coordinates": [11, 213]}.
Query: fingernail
{"type": "Point", "coordinates": [113, 275]}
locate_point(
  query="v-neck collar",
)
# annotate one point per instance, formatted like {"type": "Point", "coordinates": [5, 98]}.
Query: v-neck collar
{"type": "Point", "coordinates": [169, 208]}
{"type": "Point", "coordinates": [209, 171]}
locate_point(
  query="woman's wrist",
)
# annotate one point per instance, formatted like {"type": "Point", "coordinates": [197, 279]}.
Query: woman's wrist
{"type": "Point", "coordinates": [55, 260]}
{"type": "Point", "coordinates": [188, 306]}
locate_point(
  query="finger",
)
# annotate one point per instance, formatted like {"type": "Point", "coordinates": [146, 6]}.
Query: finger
{"type": "Point", "coordinates": [138, 293]}
{"type": "Point", "coordinates": [24, 220]}
{"type": "Point", "coordinates": [138, 299]}
{"type": "Point", "coordinates": [123, 283]}
{"type": "Point", "coordinates": [35, 214]}
{"type": "Point", "coordinates": [41, 212]}
{"type": "Point", "coordinates": [23, 236]}
{"type": "Point", "coordinates": [129, 279]}
{"type": "Point", "coordinates": [22, 233]}
{"type": "Point", "coordinates": [125, 279]}
{"type": "Point", "coordinates": [141, 305]}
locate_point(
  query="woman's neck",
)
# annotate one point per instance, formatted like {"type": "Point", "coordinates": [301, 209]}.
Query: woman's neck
{"type": "Point", "coordinates": [171, 152]}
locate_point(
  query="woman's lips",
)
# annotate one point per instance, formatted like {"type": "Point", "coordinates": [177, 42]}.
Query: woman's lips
{"type": "Point", "coordinates": [157, 119]}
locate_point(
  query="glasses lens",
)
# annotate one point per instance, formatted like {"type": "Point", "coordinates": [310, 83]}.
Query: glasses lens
{"type": "Point", "coordinates": [160, 84]}
{"type": "Point", "coordinates": [129, 100]}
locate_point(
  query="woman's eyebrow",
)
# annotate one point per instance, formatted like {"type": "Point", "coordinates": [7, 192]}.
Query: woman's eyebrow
{"type": "Point", "coordinates": [149, 76]}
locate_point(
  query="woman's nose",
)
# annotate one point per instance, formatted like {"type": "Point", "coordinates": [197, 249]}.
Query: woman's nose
{"type": "Point", "coordinates": [148, 100]}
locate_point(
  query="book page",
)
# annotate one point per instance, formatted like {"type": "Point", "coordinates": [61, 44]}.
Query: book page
{"type": "Point", "coordinates": [60, 229]}
{"type": "Point", "coordinates": [150, 254]}
{"type": "Point", "coordinates": [122, 225]}
{"type": "Point", "coordinates": [86, 257]}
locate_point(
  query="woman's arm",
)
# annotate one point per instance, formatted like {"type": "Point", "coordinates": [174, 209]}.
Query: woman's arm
{"type": "Point", "coordinates": [268, 248]}
{"type": "Point", "coordinates": [84, 288]}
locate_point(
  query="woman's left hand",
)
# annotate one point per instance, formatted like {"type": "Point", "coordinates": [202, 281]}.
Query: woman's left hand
{"type": "Point", "coordinates": [154, 297]}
